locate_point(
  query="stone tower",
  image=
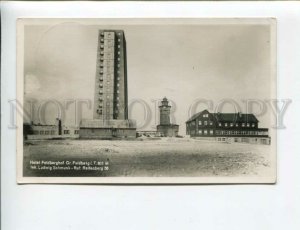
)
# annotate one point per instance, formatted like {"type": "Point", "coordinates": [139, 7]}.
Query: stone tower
{"type": "Point", "coordinates": [164, 110]}
{"type": "Point", "coordinates": [165, 128]}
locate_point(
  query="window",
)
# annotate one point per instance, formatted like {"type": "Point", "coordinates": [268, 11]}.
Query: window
{"type": "Point", "coordinates": [205, 122]}
{"type": "Point", "coordinates": [205, 132]}
{"type": "Point", "coordinates": [220, 124]}
{"type": "Point", "coordinates": [231, 124]}
{"type": "Point", "coordinates": [42, 132]}
{"type": "Point", "coordinates": [253, 125]}
{"type": "Point", "coordinates": [76, 131]}
{"type": "Point", "coordinates": [248, 125]}
{"type": "Point", "coordinates": [236, 125]}
{"type": "Point", "coordinates": [205, 115]}
{"type": "Point", "coordinates": [200, 131]}
{"type": "Point", "coordinates": [66, 131]}
{"type": "Point", "coordinates": [46, 132]}
{"type": "Point", "coordinates": [226, 124]}
{"type": "Point", "coordinates": [243, 124]}
{"type": "Point", "coordinates": [52, 132]}
{"type": "Point", "coordinates": [200, 123]}
{"type": "Point", "coordinates": [210, 123]}
{"type": "Point", "coordinates": [211, 132]}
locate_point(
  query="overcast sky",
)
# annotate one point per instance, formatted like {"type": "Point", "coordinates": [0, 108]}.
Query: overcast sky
{"type": "Point", "coordinates": [182, 62]}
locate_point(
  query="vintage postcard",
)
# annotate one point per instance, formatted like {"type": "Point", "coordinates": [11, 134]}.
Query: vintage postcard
{"type": "Point", "coordinates": [146, 101]}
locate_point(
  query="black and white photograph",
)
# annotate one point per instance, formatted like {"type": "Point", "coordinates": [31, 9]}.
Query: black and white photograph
{"type": "Point", "coordinates": [146, 101]}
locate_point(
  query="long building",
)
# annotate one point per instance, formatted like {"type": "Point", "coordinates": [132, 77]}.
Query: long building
{"type": "Point", "coordinates": [110, 112]}
{"type": "Point", "coordinates": [47, 132]}
{"type": "Point", "coordinates": [227, 127]}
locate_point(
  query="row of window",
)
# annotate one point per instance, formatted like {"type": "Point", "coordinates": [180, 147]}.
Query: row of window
{"type": "Point", "coordinates": [101, 99]}
{"type": "Point", "coordinates": [237, 125]}
{"type": "Point", "coordinates": [109, 34]}
{"type": "Point", "coordinates": [108, 104]}
{"type": "Point", "coordinates": [108, 65]}
{"type": "Point", "coordinates": [108, 84]}
{"type": "Point", "coordinates": [109, 46]}
{"type": "Point", "coordinates": [52, 132]}
{"type": "Point", "coordinates": [225, 132]}
{"type": "Point", "coordinates": [42, 132]}
{"type": "Point", "coordinates": [100, 112]}
{"type": "Point", "coordinates": [101, 92]}
{"type": "Point", "coordinates": [225, 124]}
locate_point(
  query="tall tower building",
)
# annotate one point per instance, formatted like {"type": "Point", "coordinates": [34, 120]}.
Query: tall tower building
{"type": "Point", "coordinates": [165, 127]}
{"type": "Point", "coordinates": [110, 112]}
{"type": "Point", "coordinates": [110, 100]}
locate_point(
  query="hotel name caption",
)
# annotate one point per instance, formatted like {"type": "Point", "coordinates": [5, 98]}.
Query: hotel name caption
{"type": "Point", "coordinates": [77, 165]}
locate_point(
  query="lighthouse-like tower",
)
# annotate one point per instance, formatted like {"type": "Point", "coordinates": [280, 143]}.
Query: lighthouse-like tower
{"type": "Point", "coordinates": [165, 127]}
{"type": "Point", "coordinates": [164, 110]}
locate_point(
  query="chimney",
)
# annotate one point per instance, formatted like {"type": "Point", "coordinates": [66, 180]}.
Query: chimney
{"type": "Point", "coordinates": [59, 126]}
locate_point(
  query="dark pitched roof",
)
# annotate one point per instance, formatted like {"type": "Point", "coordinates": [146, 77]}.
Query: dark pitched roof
{"type": "Point", "coordinates": [235, 117]}
{"type": "Point", "coordinates": [228, 117]}
{"type": "Point", "coordinates": [195, 116]}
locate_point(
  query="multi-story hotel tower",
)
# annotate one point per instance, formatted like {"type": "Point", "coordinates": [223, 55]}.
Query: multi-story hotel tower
{"type": "Point", "coordinates": [110, 101]}
{"type": "Point", "coordinates": [110, 112]}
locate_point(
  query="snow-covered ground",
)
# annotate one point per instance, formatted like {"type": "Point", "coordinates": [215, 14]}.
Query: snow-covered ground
{"type": "Point", "coordinates": [165, 157]}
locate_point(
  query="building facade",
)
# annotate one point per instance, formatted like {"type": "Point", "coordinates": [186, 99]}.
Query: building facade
{"type": "Point", "coordinates": [44, 132]}
{"type": "Point", "coordinates": [227, 127]}
{"type": "Point", "coordinates": [110, 112]}
{"type": "Point", "coordinates": [165, 127]}
{"type": "Point", "coordinates": [110, 95]}
{"type": "Point", "coordinates": [148, 133]}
